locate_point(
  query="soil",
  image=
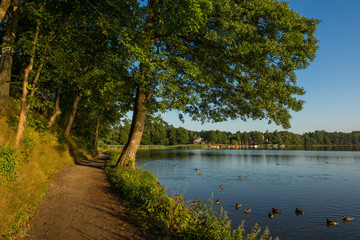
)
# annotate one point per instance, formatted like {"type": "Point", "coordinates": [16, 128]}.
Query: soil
{"type": "Point", "coordinates": [82, 205]}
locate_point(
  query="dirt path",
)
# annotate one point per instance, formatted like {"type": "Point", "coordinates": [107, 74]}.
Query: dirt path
{"type": "Point", "coordinates": [81, 205]}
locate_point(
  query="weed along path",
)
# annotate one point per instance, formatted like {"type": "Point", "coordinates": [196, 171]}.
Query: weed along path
{"type": "Point", "coordinates": [81, 205]}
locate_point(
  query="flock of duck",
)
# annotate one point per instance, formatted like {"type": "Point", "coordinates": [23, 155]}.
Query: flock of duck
{"type": "Point", "coordinates": [277, 211]}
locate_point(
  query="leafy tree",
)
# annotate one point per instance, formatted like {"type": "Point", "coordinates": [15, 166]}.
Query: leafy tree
{"type": "Point", "coordinates": [285, 137]}
{"type": "Point", "coordinates": [32, 52]}
{"type": "Point", "coordinates": [156, 132]}
{"type": "Point", "coordinates": [7, 47]}
{"type": "Point", "coordinates": [297, 139]}
{"type": "Point", "coordinates": [216, 60]}
{"type": "Point", "coordinates": [256, 137]}
{"type": "Point", "coordinates": [172, 136]}
{"type": "Point", "coordinates": [276, 137]}
{"type": "Point", "coordinates": [118, 134]}
{"type": "Point", "coordinates": [213, 137]}
{"type": "Point", "coordinates": [355, 137]}
{"type": "Point", "coordinates": [182, 135]}
{"type": "Point", "coordinates": [238, 137]}
{"type": "Point", "coordinates": [70, 56]}
{"type": "Point", "coordinates": [308, 140]}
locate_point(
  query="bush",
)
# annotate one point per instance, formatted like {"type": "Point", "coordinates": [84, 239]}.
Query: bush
{"type": "Point", "coordinates": [8, 163]}
{"type": "Point", "coordinates": [171, 215]}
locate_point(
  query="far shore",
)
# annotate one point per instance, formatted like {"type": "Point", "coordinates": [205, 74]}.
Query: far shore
{"type": "Point", "coordinates": [242, 147]}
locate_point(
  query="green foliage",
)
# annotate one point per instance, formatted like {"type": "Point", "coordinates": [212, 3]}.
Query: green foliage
{"type": "Point", "coordinates": [61, 139]}
{"type": "Point", "coordinates": [172, 216]}
{"type": "Point", "coordinates": [238, 61]}
{"type": "Point", "coordinates": [213, 60]}
{"type": "Point", "coordinates": [156, 131]}
{"type": "Point", "coordinates": [35, 123]}
{"type": "Point", "coordinates": [27, 147]}
{"type": "Point", "coordinates": [13, 122]}
{"type": "Point", "coordinates": [8, 163]}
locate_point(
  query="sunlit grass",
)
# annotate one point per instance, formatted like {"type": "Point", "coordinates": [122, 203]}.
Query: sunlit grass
{"type": "Point", "coordinates": [40, 156]}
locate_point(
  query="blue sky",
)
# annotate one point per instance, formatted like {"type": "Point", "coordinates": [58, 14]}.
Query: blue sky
{"type": "Point", "coordinates": [331, 82]}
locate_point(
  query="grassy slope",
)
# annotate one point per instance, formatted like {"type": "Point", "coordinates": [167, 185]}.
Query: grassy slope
{"type": "Point", "coordinates": [40, 157]}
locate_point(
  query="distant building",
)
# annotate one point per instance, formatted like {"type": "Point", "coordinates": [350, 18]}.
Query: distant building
{"type": "Point", "coordinates": [195, 140]}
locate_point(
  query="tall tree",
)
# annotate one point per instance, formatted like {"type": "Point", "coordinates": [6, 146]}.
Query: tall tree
{"type": "Point", "coordinates": [218, 60]}
{"type": "Point", "coordinates": [7, 50]}
{"type": "Point", "coordinates": [27, 70]}
{"type": "Point", "coordinates": [56, 110]}
{"type": "Point", "coordinates": [4, 5]}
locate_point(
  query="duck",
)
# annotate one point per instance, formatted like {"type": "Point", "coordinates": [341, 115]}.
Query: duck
{"type": "Point", "coordinates": [333, 223]}
{"type": "Point", "coordinates": [247, 210]}
{"type": "Point", "coordinates": [221, 186]}
{"type": "Point", "coordinates": [345, 219]}
{"type": "Point", "coordinates": [199, 174]}
{"type": "Point", "coordinates": [271, 215]}
{"type": "Point", "coordinates": [298, 212]}
{"type": "Point", "coordinates": [276, 211]}
{"type": "Point", "coordinates": [195, 169]}
{"type": "Point", "coordinates": [217, 202]}
{"type": "Point", "coordinates": [237, 206]}
{"type": "Point", "coordinates": [239, 178]}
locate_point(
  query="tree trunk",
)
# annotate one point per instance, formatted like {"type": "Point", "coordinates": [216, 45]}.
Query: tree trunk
{"type": "Point", "coordinates": [57, 110]}
{"type": "Point", "coordinates": [36, 79]}
{"type": "Point", "coordinates": [23, 110]}
{"type": "Point", "coordinates": [97, 132]}
{"type": "Point", "coordinates": [7, 52]}
{"type": "Point", "coordinates": [128, 154]}
{"type": "Point", "coordinates": [72, 115]}
{"type": "Point", "coordinates": [3, 8]}
{"type": "Point", "coordinates": [46, 110]}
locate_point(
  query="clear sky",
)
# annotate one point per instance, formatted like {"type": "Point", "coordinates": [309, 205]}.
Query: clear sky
{"type": "Point", "coordinates": [332, 81]}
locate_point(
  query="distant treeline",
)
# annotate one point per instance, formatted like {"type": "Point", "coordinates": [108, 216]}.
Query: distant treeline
{"type": "Point", "coordinates": [159, 132]}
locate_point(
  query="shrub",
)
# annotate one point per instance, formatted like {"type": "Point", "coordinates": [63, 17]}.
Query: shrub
{"type": "Point", "coordinates": [8, 163]}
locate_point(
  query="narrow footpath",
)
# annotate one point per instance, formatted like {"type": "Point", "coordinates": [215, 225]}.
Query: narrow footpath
{"type": "Point", "coordinates": [81, 205]}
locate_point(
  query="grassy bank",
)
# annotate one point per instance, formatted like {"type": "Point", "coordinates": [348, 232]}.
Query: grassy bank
{"type": "Point", "coordinates": [173, 218]}
{"type": "Point", "coordinates": [26, 172]}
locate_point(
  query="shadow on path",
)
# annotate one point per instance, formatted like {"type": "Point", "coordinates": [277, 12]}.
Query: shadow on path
{"type": "Point", "coordinates": [82, 205]}
{"type": "Point", "coordinates": [97, 162]}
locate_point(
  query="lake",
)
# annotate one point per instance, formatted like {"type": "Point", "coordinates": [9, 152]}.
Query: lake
{"type": "Point", "coordinates": [324, 184]}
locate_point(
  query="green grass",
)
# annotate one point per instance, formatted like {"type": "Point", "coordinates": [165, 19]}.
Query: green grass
{"type": "Point", "coordinates": [39, 159]}
{"type": "Point", "coordinates": [173, 218]}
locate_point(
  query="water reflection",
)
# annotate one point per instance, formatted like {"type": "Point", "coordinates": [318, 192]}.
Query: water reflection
{"type": "Point", "coordinates": [324, 184]}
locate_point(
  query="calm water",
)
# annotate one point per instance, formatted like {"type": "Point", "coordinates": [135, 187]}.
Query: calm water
{"type": "Point", "coordinates": [324, 184]}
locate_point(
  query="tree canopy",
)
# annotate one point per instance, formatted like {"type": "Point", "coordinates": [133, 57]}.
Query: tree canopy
{"type": "Point", "coordinates": [88, 61]}
{"type": "Point", "coordinates": [239, 62]}
{"type": "Point", "coordinates": [219, 60]}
